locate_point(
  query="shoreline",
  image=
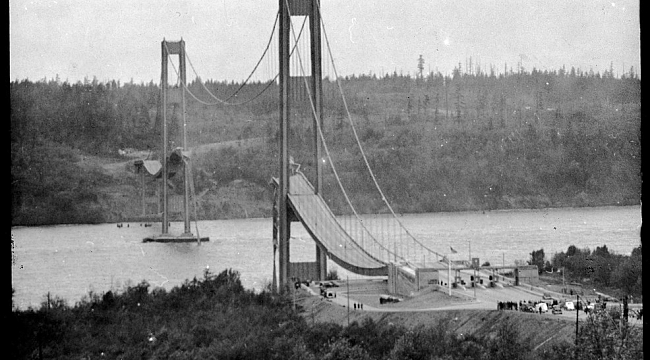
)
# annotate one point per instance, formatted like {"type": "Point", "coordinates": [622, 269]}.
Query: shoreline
{"type": "Point", "coordinates": [140, 220]}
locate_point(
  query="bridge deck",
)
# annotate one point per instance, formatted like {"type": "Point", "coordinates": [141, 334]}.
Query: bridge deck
{"type": "Point", "coordinates": [323, 227]}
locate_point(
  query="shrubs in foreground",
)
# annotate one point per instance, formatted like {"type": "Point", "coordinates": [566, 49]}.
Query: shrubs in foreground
{"type": "Point", "coordinates": [216, 318]}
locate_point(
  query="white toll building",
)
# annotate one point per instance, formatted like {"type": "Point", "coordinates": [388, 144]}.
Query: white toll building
{"type": "Point", "coordinates": [460, 275]}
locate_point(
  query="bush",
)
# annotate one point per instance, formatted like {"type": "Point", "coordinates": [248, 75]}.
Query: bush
{"type": "Point", "coordinates": [508, 343]}
{"type": "Point", "coordinates": [604, 337]}
{"type": "Point", "coordinates": [216, 318]}
{"type": "Point", "coordinates": [342, 350]}
{"type": "Point", "coordinates": [332, 275]}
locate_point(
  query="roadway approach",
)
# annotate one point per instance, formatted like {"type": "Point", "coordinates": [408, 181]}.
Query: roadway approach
{"type": "Point", "coordinates": [486, 299]}
{"type": "Point", "coordinates": [312, 211]}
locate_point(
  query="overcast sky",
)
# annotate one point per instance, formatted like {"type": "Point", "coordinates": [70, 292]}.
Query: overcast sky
{"type": "Point", "coordinates": [120, 39]}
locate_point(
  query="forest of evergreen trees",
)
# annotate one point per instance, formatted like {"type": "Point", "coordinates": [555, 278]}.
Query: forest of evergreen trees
{"type": "Point", "coordinates": [466, 141]}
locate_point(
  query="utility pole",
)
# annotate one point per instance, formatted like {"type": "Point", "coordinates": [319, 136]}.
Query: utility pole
{"type": "Point", "coordinates": [144, 203]}
{"type": "Point", "coordinates": [577, 311]}
{"type": "Point", "coordinates": [347, 280]}
{"type": "Point", "coordinates": [475, 284]}
{"type": "Point", "coordinates": [449, 274]}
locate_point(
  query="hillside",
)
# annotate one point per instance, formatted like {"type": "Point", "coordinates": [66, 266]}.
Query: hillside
{"type": "Point", "coordinates": [461, 142]}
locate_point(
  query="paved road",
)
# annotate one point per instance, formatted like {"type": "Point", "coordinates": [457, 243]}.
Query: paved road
{"type": "Point", "coordinates": [486, 299]}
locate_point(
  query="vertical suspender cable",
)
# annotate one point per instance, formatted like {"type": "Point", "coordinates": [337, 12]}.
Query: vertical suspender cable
{"type": "Point", "coordinates": [327, 149]}
{"type": "Point", "coordinates": [354, 130]}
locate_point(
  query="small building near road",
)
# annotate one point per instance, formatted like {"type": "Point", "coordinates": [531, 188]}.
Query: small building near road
{"type": "Point", "coordinates": [528, 274]}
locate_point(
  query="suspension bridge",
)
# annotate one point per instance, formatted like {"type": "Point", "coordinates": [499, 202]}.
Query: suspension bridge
{"type": "Point", "coordinates": [370, 245]}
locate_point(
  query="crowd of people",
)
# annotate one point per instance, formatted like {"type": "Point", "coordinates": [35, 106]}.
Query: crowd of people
{"type": "Point", "coordinates": [525, 306]}
{"type": "Point", "coordinates": [508, 305]}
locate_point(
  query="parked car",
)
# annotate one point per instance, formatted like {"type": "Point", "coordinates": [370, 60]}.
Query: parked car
{"type": "Point", "coordinates": [328, 284]}
{"type": "Point", "coordinates": [541, 307]}
{"type": "Point", "coordinates": [569, 305]}
{"type": "Point", "coordinates": [388, 299]}
{"type": "Point", "coordinates": [556, 310]}
{"type": "Point", "coordinates": [527, 308]}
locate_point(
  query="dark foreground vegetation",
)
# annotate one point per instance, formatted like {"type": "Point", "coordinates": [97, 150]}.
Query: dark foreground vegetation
{"type": "Point", "coordinates": [216, 318]}
{"type": "Point", "coordinates": [620, 274]}
{"type": "Point", "coordinates": [465, 141]}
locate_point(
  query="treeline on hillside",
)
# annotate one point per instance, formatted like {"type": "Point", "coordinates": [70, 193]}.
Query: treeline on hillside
{"type": "Point", "coordinates": [215, 317]}
{"type": "Point", "coordinates": [437, 143]}
{"type": "Point", "coordinates": [548, 139]}
{"type": "Point", "coordinates": [525, 140]}
{"type": "Point", "coordinates": [101, 117]}
{"type": "Point", "coordinates": [601, 267]}
{"type": "Point", "coordinates": [49, 187]}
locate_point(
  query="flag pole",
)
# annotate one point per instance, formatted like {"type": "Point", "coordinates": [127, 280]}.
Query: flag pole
{"type": "Point", "coordinates": [449, 273]}
{"type": "Point", "coordinates": [451, 251]}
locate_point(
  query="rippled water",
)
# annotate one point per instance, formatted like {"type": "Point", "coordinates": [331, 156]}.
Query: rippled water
{"type": "Point", "coordinates": [70, 261]}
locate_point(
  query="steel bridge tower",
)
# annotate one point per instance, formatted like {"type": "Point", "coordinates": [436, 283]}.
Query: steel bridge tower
{"type": "Point", "coordinates": [288, 9]}
{"type": "Point", "coordinates": [178, 155]}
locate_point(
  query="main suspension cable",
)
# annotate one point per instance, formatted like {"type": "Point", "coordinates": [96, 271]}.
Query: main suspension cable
{"type": "Point", "coordinates": [223, 102]}
{"type": "Point", "coordinates": [217, 103]}
{"type": "Point", "coordinates": [325, 147]}
{"type": "Point", "coordinates": [268, 44]}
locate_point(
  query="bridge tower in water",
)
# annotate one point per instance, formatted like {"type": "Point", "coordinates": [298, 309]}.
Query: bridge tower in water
{"type": "Point", "coordinates": [179, 157]}
{"type": "Point", "coordinates": [284, 216]}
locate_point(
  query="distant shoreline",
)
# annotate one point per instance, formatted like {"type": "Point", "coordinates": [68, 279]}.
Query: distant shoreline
{"type": "Point", "coordinates": [143, 220]}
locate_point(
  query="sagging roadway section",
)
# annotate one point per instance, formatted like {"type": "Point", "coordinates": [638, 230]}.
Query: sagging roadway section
{"type": "Point", "coordinates": [321, 224]}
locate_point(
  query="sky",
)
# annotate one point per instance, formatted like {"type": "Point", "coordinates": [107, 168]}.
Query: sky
{"type": "Point", "coordinates": [121, 39]}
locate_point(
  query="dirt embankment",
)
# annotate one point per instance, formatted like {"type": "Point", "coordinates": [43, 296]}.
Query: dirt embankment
{"type": "Point", "coordinates": [538, 329]}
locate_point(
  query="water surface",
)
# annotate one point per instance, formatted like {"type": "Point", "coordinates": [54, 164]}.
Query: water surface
{"type": "Point", "coordinates": [69, 261]}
